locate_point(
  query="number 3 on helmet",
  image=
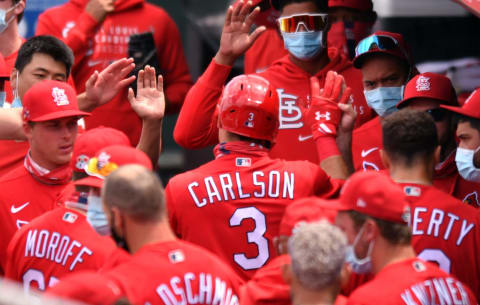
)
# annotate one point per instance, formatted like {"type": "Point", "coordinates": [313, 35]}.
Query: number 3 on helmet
{"type": "Point", "coordinates": [249, 107]}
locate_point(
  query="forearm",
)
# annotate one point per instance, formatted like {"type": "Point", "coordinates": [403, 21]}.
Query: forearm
{"type": "Point", "coordinates": [151, 139]}
{"type": "Point", "coordinates": [84, 103]}
{"type": "Point", "coordinates": [344, 144]}
{"type": "Point", "coordinates": [11, 124]}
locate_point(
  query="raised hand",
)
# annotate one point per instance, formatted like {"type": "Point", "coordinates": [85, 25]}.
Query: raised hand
{"type": "Point", "coordinates": [149, 103]}
{"type": "Point", "coordinates": [99, 9]}
{"type": "Point", "coordinates": [236, 37]}
{"type": "Point", "coordinates": [324, 114]}
{"type": "Point", "coordinates": [101, 87]}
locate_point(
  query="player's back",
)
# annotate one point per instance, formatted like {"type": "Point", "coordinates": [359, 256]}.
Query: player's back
{"type": "Point", "coordinates": [56, 244]}
{"type": "Point", "coordinates": [446, 231]}
{"type": "Point", "coordinates": [233, 205]}
{"type": "Point", "coordinates": [412, 281]}
{"type": "Point", "coordinates": [176, 272]}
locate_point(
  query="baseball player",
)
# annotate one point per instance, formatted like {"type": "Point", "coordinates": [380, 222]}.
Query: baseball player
{"type": "Point", "coordinates": [291, 76]}
{"type": "Point", "coordinates": [384, 242]}
{"type": "Point", "coordinates": [444, 230]}
{"type": "Point", "coordinates": [163, 270]}
{"type": "Point", "coordinates": [467, 121]}
{"type": "Point", "coordinates": [244, 189]}
{"type": "Point", "coordinates": [50, 116]}
{"type": "Point", "coordinates": [64, 240]}
{"type": "Point", "coordinates": [267, 285]}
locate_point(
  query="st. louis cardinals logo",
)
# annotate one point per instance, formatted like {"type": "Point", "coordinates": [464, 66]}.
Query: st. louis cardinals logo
{"type": "Point", "coordinates": [289, 114]}
{"type": "Point", "coordinates": [59, 96]}
{"type": "Point", "coordinates": [423, 83]}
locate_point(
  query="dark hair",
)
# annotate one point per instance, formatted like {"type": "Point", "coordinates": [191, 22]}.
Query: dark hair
{"type": "Point", "coordinates": [395, 233]}
{"type": "Point", "coordinates": [460, 118]}
{"type": "Point", "coordinates": [357, 218]}
{"type": "Point", "coordinates": [264, 143]}
{"type": "Point", "coordinates": [48, 45]}
{"type": "Point", "coordinates": [409, 71]}
{"type": "Point", "coordinates": [322, 5]}
{"type": "Point", "coordinates": [409, 135]}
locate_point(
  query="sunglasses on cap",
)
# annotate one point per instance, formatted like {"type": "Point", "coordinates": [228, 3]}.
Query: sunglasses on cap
{"type": "Point", "coordinates": [437, 114]}
{"type": "Point", "coordinates": [304, 22]}
{"type": "Point", "coordinates": [378, 42]}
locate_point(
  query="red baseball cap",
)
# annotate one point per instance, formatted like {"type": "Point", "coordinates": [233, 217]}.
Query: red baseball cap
{"type": "Point", "coordinates": [110, 158]}
{"type": "Point", "coordinates": [432, 86]}
{"type": "Point", "coordinates": [384, 43]}
{"type": "Point", "coordinates": [50, 100]}
{"type": "Point", "coordinates": [305, 210]}
{"type": "Point", "coordinates": [4, 73]}
{"type": "Point", "coordinates": [88, 287]}
{"type": "Point", "coordinates": [470, 108]}
{"type": "Point", "coordinates": [376, 195]}
{"type": "Point", "coordinates": [88, 143]}
{"type": "Point", "coordinates": [361, 5]}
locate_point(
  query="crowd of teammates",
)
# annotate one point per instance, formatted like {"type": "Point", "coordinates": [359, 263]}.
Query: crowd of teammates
{"type": "Point", "coordinates": [341, 174]}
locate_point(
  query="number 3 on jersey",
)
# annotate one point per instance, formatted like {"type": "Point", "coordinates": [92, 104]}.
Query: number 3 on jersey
{"type": "Point", "coordinates": [254, 237]}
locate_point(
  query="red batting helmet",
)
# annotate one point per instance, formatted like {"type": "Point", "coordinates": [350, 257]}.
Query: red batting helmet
{"type": "Point", "coordinates": [249, 107]}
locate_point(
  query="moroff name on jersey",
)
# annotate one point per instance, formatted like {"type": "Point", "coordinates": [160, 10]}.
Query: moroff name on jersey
{"type": "Point", "coordinates": [55, 247]}
{"type": "Point", "coordinates": [228, 186]}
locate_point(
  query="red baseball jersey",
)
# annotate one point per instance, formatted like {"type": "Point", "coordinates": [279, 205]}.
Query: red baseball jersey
{"type": "Point", "coordinates": [197, 124]}
{"type": "Point", "coordinates": [95, 46]}
{"type": "Point", "coordinates": [412, 281]}
{"type": "Point", "coordinates": [268, 287]}
{"type": "Point", "coordinates": [446, 231]}
{"type": "Point", "coordinates": [22, 198]}
{"type": "Point", "coordinates": [53, 245]}
{"type": "Point", "coordinates": [265, 50]}
{"type": "Point", "coordinates": [245, 192]}
{"type": "Point", "coordinates": [366, 145]}
{"type": "Point", "coordinates": [176, 272]}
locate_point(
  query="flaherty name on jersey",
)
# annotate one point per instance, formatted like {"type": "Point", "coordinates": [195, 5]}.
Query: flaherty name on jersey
{"type": "Point", "coordinates": [233, 186]}
{"type": "Point", "coordinates": [55, 247]}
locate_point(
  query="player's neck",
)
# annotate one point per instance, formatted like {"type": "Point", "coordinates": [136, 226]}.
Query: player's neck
{"type": "Point", "coordinates": [149, 233]}
{"type": "Point", "coordinates": [308, 297]}
{"type": "Point", "coordinates": [412, 174]}
{"type": "Point", "coordinates": [314, 66]}
{"type": "Point", "coordinates": [386, 254]}
{"type": "Point", "coordinates": [10, 40]}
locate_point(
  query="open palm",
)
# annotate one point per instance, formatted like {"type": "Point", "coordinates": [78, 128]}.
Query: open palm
{"type": "Point", "coordinates": [150, 100]}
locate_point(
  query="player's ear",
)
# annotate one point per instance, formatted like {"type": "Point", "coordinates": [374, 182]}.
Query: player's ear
{"type": "Point", "coordinates": [28, 129]}
{"type": "Point", "coordinates": [385, 159]}
{"type": "Point", "coordinates": [287, 273]}
{"type": "Point", "coordinates": [371, 230]}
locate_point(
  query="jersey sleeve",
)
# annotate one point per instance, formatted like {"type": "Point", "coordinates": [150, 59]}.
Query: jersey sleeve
{"type": "Point", "coordinates": [324, 185]}
{"type": "Point", "coordinates": [12, 261]}
{"type": "Point", "coordinates": [197, 123]}
{"type": "Point", "coordinates": [76, 35]}
{"type": "Point", "coordinates": [172, 62]}
{"type": "Point", "coordinates": [171, 210]}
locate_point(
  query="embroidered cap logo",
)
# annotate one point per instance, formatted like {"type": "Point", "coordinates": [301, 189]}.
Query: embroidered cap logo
{"type": "Point", "coordinates": [423, 84]}
{"type": "Point", "coordinates": [59, 96]}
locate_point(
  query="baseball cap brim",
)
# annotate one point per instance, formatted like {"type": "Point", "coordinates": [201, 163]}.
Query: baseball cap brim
{"type": "Point", "coordinates": [59, 115]}
{"type": "Point", "coordinates": [90, 181]}
{"type": "Point", "coordinates": [459, 110]}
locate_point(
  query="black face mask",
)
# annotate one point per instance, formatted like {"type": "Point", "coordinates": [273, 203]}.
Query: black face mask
{"type": "Point", "coordinates": [120, 241]}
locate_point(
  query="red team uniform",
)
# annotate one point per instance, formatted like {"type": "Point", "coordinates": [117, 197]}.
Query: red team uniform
{"type": "Point", "coordinates": [22, 198]}
{"type": "Point", "coordinates": [446, 232]}
{"type": "Point", "coordinates": [246, 192]}
{"type": "Point", "coordinates": [95, 46]}
{"type": "Point", "coordinates": [197, 124]}
{"type": "Point", "coordinates": [412, 281]}
{"type": "Point", "coordinates": [267, 49]}
{"type": "Point", "coordinates": [176, 272]}
{"type": "Point", "coordinates": [56, 244]}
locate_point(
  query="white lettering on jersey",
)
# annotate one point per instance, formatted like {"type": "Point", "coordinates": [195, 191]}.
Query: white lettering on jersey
{"type": "Point", "coordinates": [181, 291]}
{"type": "Point", "coordinates": [435, 223]}
{"type": "Point", "coordinates": [289, 114]}
{"type": "Point", "coordinates": [440, 291]}
{"type": "Point", "coordinates": [54, 247]}
{"type": "Point", "coordinates": [229, 186]}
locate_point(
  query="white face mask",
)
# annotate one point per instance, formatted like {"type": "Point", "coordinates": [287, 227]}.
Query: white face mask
{"type": "Point", "coordinates": [384, 99]}
{"type": "Point", "coordinates": [465, 166]}
{"type": "Point", "coordinates": [359, 265]}
{"type": "Point", "coordinates": [16, 103]}
{"type": "Point", "coordinates": [3, 97]}
{"type": "Point", "coordinates": [3, 15]}
{"type": "Point", "coordinates": [96, 216]}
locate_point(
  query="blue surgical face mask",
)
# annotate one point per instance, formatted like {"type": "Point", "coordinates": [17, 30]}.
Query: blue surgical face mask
{"type": "Point", "coordinates": [384, 99]}
{"type": "Point", "coordinates": [303, 45]}
{"type": "Point", "coordinates": [3, 15]}
{"type": "Point", "coordinates": [359, 265]}
{"type": "Point", "coordinates": [3, 97]}
{"type": "Point", "coordinates": [96, 216]}
{"type": "Point", "coordinates": [465, 166]}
